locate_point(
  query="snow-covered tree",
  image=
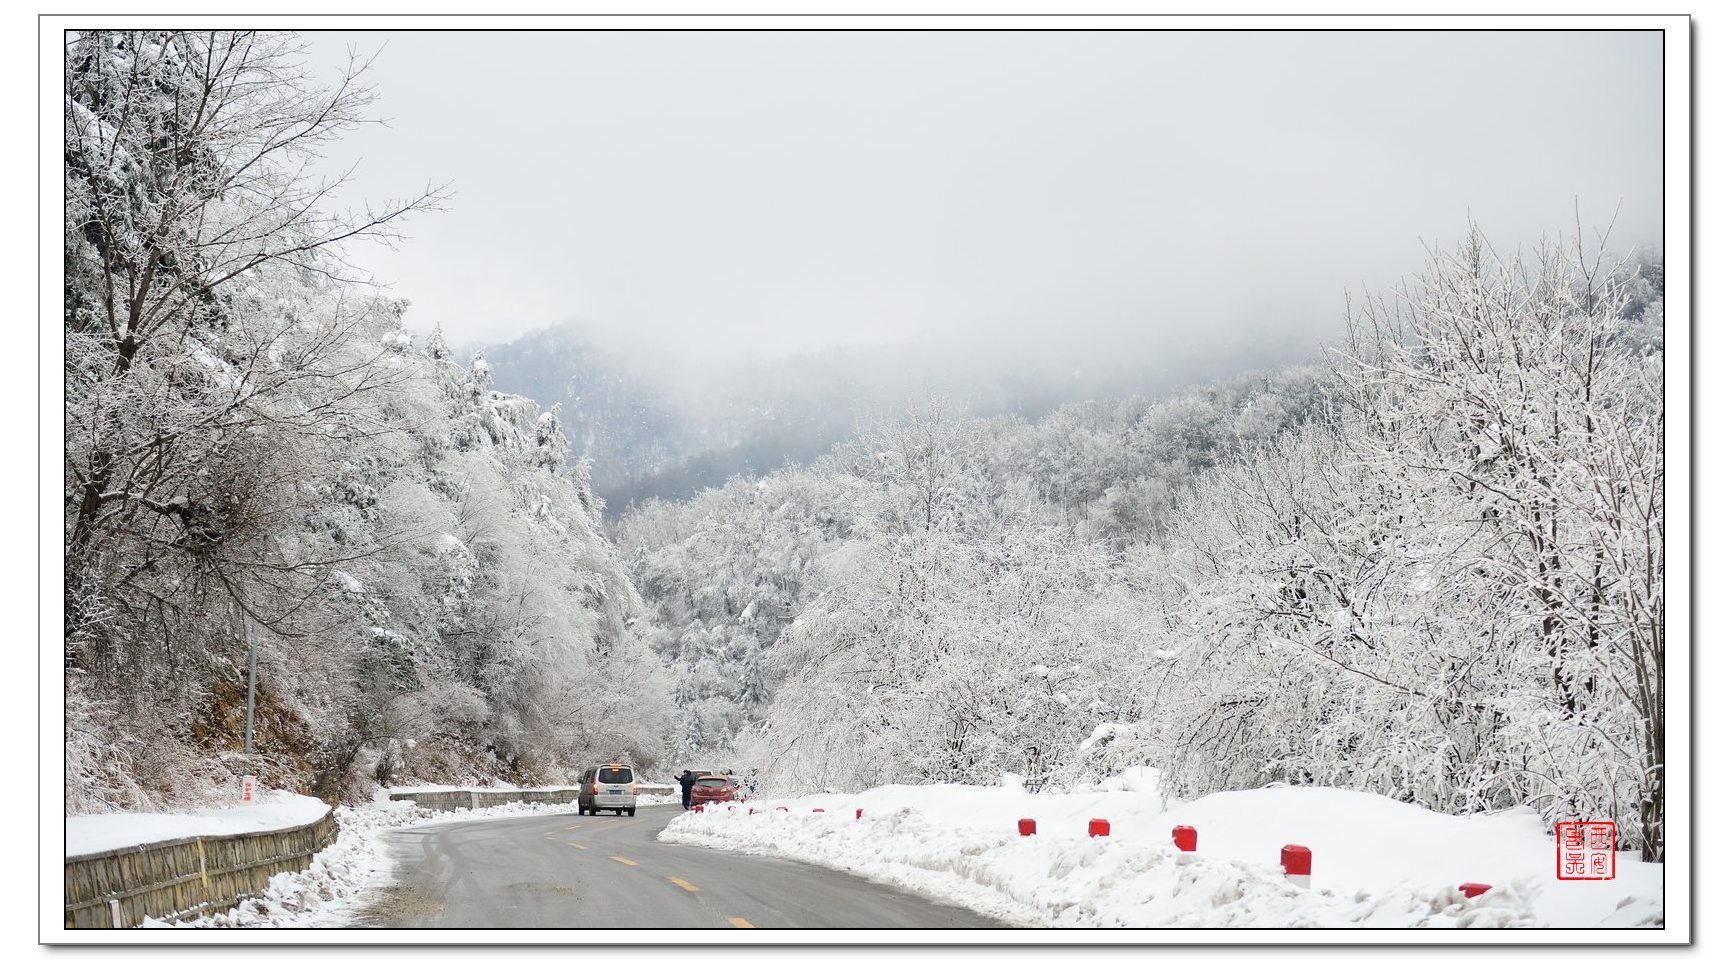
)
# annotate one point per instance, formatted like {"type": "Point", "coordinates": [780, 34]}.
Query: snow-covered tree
{"type": "Point", "coordinates": [1452, 592]}
{"type": "Point", "coordinates": [255, 443]}
{"type": "Point", "coordinates": [217, 357]}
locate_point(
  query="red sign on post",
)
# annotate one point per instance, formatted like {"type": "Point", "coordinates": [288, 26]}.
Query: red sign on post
{"type": "Point", "coordinates": [246, 788]}
{"type": "Point", "coordinates": [1586, 850]}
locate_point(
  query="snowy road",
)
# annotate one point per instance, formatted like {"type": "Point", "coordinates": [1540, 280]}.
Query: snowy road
{"type": "Point", "coordinates": [568, 871]}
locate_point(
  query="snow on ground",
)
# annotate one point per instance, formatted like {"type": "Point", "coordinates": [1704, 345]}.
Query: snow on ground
{"type": "Point", "coordinates": [328, 893]}
{"type": "Point", "coordinates": [1377, 862]}
{"type": "Point", "coordinates": [274, 809]}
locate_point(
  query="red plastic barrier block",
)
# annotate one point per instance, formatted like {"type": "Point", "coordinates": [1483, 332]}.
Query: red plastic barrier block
{"type": "Point", "coordinates": [1184, 838]}
{"type": "Point", "coordinates": [1473, 890]}
{"type": "Point", "coordinates": [1028, 827]}
{"type": "Point", "coordinates": [858, 814]}
{"type": "Point", "coordinates": [817, 810]}
{"type": "Point", "coordinates": [1098, 827]}
{"type": "Point", "coordinates": [1295, 860]}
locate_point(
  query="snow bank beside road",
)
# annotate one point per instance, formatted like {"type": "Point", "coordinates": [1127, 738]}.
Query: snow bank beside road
{"type": "Point", "coordinates": [118, 831]}
{"type": "Point", "coordinates": [329, 892]}
{"type": "Point", "coordinates": [1378, 863]}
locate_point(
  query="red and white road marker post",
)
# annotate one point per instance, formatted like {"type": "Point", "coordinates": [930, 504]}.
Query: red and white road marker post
{"type": "Point", "coordinates": [248, 786]}
{"type": "Point", "coordinates": [1183, 837]}
{"type": "Point", "coordinates": [1295, 860]}
{"type": "Point", "coordinates": [858, 814]}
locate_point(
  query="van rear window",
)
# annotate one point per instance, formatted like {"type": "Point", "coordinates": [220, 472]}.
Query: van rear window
{"type": "Point", "coordinates": [612, 776]}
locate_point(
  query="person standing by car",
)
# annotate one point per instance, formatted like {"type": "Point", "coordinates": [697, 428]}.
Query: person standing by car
{"type": "Point", "coordinates": [687, 778]}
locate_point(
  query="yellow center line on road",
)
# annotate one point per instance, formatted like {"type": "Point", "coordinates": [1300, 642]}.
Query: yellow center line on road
{"type": "Point", "coordinates": [576, 846]}
{"type": "Point", "coordinates": [569, 828]}
{"type": "Point", "coordinates": [740, 922]}
{"type": "Point", "coordinates": [684, 885]}
{"type": "Point", "coordinates": [628, 863]}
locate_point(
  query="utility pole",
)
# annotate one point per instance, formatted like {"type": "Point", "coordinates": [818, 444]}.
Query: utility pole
{"type": "Point", "coordinates": [251, 685]}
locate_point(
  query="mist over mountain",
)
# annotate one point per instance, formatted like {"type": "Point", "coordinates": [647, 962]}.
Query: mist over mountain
{"type": "Point", "coordinates": [661, 423]}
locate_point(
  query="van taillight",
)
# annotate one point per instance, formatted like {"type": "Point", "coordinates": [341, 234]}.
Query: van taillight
{"type": "Point", "coordinates": [633, 788]}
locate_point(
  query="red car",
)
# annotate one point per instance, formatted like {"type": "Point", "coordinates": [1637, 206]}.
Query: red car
{"type": "Point", "coordinates": [712, 788]}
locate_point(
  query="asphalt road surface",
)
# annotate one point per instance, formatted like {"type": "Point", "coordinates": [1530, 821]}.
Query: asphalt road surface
{"type": "Point", "coordinates": [608, 871]}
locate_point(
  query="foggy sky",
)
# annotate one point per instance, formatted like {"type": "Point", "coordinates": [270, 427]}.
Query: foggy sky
{"type": "Point", "coordinates": [759, 193]}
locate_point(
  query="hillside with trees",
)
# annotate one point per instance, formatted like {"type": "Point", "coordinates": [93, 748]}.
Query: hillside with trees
{"type": "Point", "coordinates": [1427, 564]}
{"type": "Point", "coordinates": [255, 447]}
{"type": "Point", "coordinates": [1429, 567]}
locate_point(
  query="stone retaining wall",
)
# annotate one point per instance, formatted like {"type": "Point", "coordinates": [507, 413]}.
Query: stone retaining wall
{"type": "Point", "coordinates": [181, 878]}
{"type": "Point", "coordinates": [445, 801]}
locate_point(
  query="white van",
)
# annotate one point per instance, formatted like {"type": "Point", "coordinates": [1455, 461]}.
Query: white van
{"type": "Point", "coordinates": [612, 786]}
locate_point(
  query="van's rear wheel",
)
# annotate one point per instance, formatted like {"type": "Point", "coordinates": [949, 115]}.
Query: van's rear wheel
{"type": "Point", "coordinates": [630, 812]}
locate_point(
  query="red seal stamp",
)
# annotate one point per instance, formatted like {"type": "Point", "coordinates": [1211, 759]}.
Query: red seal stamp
{"type": "Point", "coordinates": [1586, 850]}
